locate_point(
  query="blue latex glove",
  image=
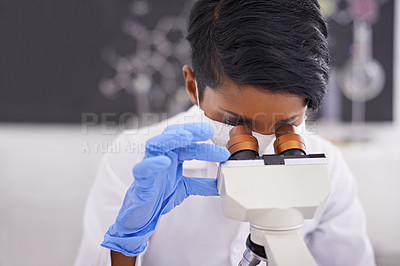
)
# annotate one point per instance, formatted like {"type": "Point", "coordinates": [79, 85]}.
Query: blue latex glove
{"type": "Point", "coordinates": [159, 185]}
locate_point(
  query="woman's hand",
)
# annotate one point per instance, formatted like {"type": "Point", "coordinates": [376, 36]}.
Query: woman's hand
{"type": "Point", "coordinates": [159, 185]}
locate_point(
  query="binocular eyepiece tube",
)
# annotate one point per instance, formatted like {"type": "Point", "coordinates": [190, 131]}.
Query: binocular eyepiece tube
{"type": "Point", "coordinates": [244, 146]}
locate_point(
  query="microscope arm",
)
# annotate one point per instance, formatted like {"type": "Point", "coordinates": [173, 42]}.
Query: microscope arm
{"type": "Point", "coordinates": [277, 243]}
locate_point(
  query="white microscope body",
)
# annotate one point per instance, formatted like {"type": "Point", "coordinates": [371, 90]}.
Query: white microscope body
{"type": "Point", "coordinates": [275, 193]}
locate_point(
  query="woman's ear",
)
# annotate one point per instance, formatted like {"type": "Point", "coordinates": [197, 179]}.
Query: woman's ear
{"type": "Point", "coordinates": [190, 82]}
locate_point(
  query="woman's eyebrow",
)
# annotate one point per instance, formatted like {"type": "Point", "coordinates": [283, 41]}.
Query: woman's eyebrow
{"type": "Point", "coordinates": [280, 122]}
{"type": "Point", "coordinates": [241, 117]}
{"type": "Point", "coordinates": [287, 121]}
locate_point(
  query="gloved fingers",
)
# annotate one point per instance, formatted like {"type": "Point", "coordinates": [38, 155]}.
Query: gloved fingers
{"type": "Point", "coordinates": [143, 200]}
{"type": "Point", "coordinates": [200, 131]}
{"type": "Point", "coordinates": [204, 152]}
{"type": "Point", "coordinates": [146, 171]}
{"type": "Point", "coordinates": [201, 186]}
{"type": "Point", "coordinates": [139, 211]}
{"type": "Point", "coordinates": [177, 136]}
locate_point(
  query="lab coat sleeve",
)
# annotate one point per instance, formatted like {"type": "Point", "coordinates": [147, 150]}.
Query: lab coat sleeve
{"type": "Point", "coordinates": [340, 237]}
{"type": "Point", "coordinates": [104, 201]}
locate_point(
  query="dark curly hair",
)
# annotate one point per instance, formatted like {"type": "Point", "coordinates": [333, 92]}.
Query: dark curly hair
{"type": "Point", "coordinates": [275, 45]}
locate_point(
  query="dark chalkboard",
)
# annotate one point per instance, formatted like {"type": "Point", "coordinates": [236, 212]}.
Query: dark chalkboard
{"type": "Point", "coordinates": [55, 59]}
{"type": "Point", "coordinates": [60, 59]}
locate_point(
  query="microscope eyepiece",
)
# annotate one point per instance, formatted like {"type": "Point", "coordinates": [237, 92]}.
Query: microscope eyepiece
{"type": "Point", "coordinates": [242, 144]}
{"type": "Point", "coordinates": [288, 142]}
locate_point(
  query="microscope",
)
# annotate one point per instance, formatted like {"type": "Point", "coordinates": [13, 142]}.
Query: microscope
{"type": "Point", "coordinates": [274, 193]}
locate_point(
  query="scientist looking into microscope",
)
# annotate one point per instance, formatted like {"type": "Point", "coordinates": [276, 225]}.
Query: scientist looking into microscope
{"type": "Point", "coordinates": [259, 63]}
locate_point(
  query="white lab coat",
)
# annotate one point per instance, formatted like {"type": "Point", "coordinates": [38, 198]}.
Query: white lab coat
{"type": "Point", "coordinates": [197, 233]}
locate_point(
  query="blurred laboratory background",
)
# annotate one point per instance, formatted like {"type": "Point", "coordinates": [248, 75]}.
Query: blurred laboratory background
{"type": "Point", "coordinates": [73, 74]}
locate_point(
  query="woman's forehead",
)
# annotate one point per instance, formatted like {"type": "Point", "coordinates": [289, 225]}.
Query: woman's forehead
{"type": "Point", "coordinates": [251, 101]}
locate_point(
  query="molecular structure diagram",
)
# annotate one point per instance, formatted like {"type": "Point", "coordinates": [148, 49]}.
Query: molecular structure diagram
{"type": "Point", "coordinates": [345, 11]}
{"type": "Point", "coordinates": [153, 70]}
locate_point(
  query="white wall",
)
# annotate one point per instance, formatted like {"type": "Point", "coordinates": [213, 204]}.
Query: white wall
{"type": "Point", "coordinates": [44, 181]}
